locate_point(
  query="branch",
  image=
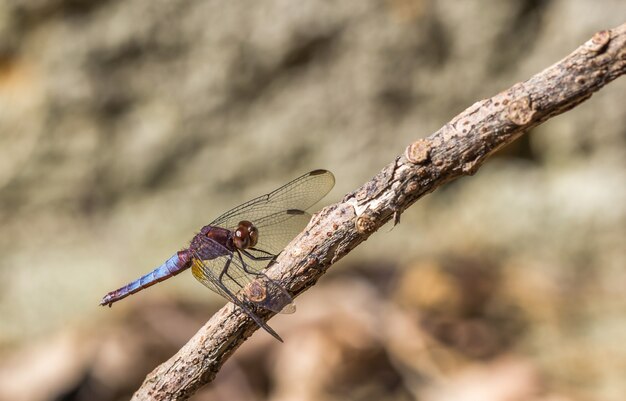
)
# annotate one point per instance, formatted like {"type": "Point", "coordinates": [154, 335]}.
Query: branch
{"type": "Point", "coordinates": [459, 148]}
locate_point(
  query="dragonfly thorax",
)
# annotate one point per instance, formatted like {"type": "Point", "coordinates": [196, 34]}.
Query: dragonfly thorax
{"type": "Point", "coordinates": [245, 235]}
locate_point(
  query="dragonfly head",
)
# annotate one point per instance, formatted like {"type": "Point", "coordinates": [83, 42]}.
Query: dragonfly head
{"type": "Point", "coordinates": [246, 235]}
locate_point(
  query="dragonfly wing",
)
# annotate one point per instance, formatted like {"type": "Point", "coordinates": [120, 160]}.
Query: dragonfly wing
{"type": "Point", "coordinates": [203, 273]}
{"type": "Point", "coordinates": [220, 274]}
{"type": "Point", "coordinates": [299, 194]}
{"type": "Point", "coordinates": [230, 276]}
{"type": "Point", "coordinates": [275, 231]}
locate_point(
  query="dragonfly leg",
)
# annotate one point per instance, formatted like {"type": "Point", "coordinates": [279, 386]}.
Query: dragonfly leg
{"type": "Point", "coordinates": [245, 266]}
{"type": "Point", "coordinates": [251, 256]}
{"type": "Point", "coordinates": [262, 251]}
{"type": "Point", "coordinates": [270, 257]}
{"type": "Point", "coordinates": [225, 272]}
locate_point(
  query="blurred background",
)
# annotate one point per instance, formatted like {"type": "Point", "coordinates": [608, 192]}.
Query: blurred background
{"type": "Point", "coordinates": [125, 126]}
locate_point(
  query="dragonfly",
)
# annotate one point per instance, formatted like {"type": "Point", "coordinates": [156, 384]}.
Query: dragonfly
{"type": "Point", "coordinates": [230, 255]}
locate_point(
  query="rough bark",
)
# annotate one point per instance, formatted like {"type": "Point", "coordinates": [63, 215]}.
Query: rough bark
{"type": "Point", "coordinates": [459, 148]}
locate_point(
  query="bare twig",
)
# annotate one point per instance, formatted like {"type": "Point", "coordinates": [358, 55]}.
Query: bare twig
{"type": "Point", "coordinates": [458, 148]}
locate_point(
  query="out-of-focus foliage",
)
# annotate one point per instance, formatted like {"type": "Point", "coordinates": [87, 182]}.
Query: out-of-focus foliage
{"type": "Point", "coordinates": [127, 125]}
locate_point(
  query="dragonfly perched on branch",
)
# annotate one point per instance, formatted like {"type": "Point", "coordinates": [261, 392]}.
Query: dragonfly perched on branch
{"type": "Point", "coordinates": [230, 254]}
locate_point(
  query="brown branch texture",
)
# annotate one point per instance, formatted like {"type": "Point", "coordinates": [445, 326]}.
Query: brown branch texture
{"type": "Point", "coordinates": [457, 149]}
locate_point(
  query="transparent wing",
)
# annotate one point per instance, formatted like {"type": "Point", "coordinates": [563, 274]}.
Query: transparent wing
{"type": "Point", "coordinates": [299, 194]}
{"type": "Point", "coordinates": [276, 230]}
{"type": "Point", "coordinates": [200, 271]}
{"type": "Point", "coordinates": [229, 276]}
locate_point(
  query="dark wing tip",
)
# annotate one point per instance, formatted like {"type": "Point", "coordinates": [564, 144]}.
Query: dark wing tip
{"type": "Point", "coordinates": [295, 212]}
{"type": "Point", "coordinates": [327, 173]}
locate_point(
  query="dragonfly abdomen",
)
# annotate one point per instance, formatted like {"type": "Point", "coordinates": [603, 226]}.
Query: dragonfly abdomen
{"type": "Point", "coordinates": [177, 263]}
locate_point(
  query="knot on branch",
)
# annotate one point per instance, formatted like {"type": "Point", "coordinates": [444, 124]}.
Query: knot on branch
{"type": "Point", "coordinates": [365, 224]}
{"type": "Point", "coordinates": [599, 41]}
{"type": "Point", "coordinates": [520, 111]}
{"type": "Point", "coordinates": [418, 152]}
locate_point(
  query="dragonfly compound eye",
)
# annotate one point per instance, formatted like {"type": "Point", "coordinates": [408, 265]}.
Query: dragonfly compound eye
{"type": "Point", "coordinates": [254, 235]}
{"type": "Point", "coordinates": [241, 238]}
